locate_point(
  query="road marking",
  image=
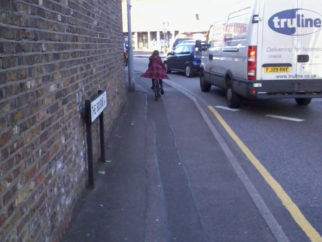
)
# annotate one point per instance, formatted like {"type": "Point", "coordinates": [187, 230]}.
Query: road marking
{"type": "Point", "coordinates": [291, 207]}
{"type": "Point", "coordinates": [284, 118]}
{"type": "Point", "coordinates": [259, 202]}
{"type": "Point", "coordinates": [226, 108]}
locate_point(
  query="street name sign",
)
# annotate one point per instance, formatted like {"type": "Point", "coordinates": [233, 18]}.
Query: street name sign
{"type": "Point", "coordinates": [98, 105]}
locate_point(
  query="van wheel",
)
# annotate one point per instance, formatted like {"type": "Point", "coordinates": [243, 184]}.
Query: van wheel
{"type": "Point", "coordinates": [303, 101]}
{"type": "Point", "coordinates": [233, 101]}
{"type": "Point", "coordinates": [188, 71]}
{"type": "Point", "coordinates": [204, 85]}
{"type": "Point", "coordinates": [167, 69]}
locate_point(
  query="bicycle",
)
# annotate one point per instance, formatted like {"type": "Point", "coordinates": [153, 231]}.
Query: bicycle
{"type": "Point", "coordinates": [126, 58]}
{"type": "Point", "coordinates": [157, 89]}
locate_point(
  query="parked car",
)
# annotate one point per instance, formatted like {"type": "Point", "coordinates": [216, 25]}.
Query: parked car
{"type": "Point", "coordinates": [271, 51]}
{"type": "Point", "coordinates": [180, 40]}
{"type": "Point", "coordinates": [185, 57]}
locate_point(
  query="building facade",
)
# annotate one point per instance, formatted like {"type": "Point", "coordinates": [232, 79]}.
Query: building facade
{"type": "Point", "coordinates": [54, 54]}
{"type": "Point", "coordinates": [157, 23]}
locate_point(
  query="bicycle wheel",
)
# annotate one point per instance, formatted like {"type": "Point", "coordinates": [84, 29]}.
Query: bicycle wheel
{"type": "Point", "coordinates": [156, 90]}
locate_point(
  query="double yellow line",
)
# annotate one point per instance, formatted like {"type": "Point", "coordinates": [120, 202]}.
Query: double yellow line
{"type": "Point", "coordinates": [291, 207]}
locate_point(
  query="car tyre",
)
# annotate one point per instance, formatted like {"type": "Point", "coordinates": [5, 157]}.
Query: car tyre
{"type": "Point", "coordinates": [233, 100]}
{"type": "Point", "coordinates": [188, 71]}
{"type": "Point", "coordinates": [204, 85]}
{"type": "Point", "coordinates": [303, 101]}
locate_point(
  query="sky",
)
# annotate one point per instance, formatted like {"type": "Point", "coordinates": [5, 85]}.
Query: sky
{"type": "Point", "coordinates": [151, 14]}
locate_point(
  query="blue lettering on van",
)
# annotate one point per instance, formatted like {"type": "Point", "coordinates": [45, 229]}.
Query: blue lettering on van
{"type": "Point", "coordinates": [296, 21]}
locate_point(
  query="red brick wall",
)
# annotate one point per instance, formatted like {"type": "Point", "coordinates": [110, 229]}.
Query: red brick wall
{"type": "Point", "coordinates": [54, 54]}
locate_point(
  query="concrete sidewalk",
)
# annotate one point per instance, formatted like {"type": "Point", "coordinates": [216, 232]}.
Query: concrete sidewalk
{"type": "Point", "coordinates": [168, 180]}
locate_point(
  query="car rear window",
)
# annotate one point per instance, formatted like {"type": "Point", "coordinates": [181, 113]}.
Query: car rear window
{"type": "Point", "coordinates": [190, 48]}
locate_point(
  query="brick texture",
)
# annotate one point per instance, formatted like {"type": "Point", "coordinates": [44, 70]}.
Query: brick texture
{"type": "Point", "coordinates": [54, 54]}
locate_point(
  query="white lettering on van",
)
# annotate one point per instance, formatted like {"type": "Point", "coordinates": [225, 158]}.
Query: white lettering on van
{"type": "Point", "coordinates": [299, 21]}
{"type": "Point", "coordinates": [296, 21]}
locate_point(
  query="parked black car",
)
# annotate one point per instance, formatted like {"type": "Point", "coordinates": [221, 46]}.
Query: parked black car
{"type": "Point", "coordinates": [180, 40]}
{"type": "Point", "coordinates": [185, 57]}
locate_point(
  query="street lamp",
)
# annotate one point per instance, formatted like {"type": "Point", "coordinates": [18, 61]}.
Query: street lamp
{"type": "Point", "coordinates": [130, 50]}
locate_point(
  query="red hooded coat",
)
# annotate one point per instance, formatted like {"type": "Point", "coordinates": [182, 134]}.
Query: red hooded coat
{"type": "Point", "coordinates": [156, 69]}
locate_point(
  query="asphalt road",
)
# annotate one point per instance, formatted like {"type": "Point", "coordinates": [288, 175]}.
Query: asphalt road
{"type": "Point", "coordinates": [284, 139]}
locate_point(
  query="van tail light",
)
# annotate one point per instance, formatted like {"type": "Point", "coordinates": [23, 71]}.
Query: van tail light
{"type": "Point", "coordinates": [251, 62]}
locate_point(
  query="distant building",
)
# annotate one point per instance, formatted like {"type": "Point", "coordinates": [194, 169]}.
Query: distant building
{"type": "Point", "coordinates": [157, 23]}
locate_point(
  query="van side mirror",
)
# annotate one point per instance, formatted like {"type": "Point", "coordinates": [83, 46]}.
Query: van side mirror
{"type": "Point", "coordinates": [205, 47]}
{"type": "Point", "coordinates": [201, 45]}
{"type": "Point", "coordinates": [198, 44]}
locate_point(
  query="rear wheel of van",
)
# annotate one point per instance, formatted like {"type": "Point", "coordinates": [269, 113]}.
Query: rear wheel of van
{"type": "Point", "coordinates": [187, 71]}
{"type": "Point", "coordinates": [233, 101]}
{"type": "Point", "coordinates": [303, 101]}
{"type": "Point", "coordinates": [204, 85]}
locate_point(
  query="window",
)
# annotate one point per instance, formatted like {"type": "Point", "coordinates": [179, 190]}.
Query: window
{"type": "Point", "coordinates": [178, 49]}
{"type": "Point", "coordinates": [216, 35]}
{"type": "Point", "coordinates": [236, 29]}
{"type": "Point", "coordinates": [187, 49]}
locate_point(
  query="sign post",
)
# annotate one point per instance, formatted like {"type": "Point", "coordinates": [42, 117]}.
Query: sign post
{"type": "Point", "coordinates": [102, 158]}
{"type": "Point", "coordinates": [93, 110]}
{"type": "Point", "coordinates": [130, 66]}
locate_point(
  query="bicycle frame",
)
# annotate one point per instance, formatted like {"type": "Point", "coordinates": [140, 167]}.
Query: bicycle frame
{"type": "Point", "coordinates": [157, 89]}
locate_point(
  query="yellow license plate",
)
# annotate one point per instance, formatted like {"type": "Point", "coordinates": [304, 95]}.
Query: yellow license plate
{"type": "Point", "coordinates": [277, 69]}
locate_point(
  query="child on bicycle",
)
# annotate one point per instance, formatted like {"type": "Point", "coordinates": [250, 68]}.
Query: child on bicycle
{"type": "Point", "coordinates": [156, 70]}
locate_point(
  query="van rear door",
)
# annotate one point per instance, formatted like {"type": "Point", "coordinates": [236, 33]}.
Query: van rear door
{"type": "Point", "coordinates": [276, 46]}
{"type": "Point", "coordinates": [309, 49]}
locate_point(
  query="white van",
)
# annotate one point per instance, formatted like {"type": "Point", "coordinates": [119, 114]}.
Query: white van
{"type": "Point", "coordinates": [266, 49]}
